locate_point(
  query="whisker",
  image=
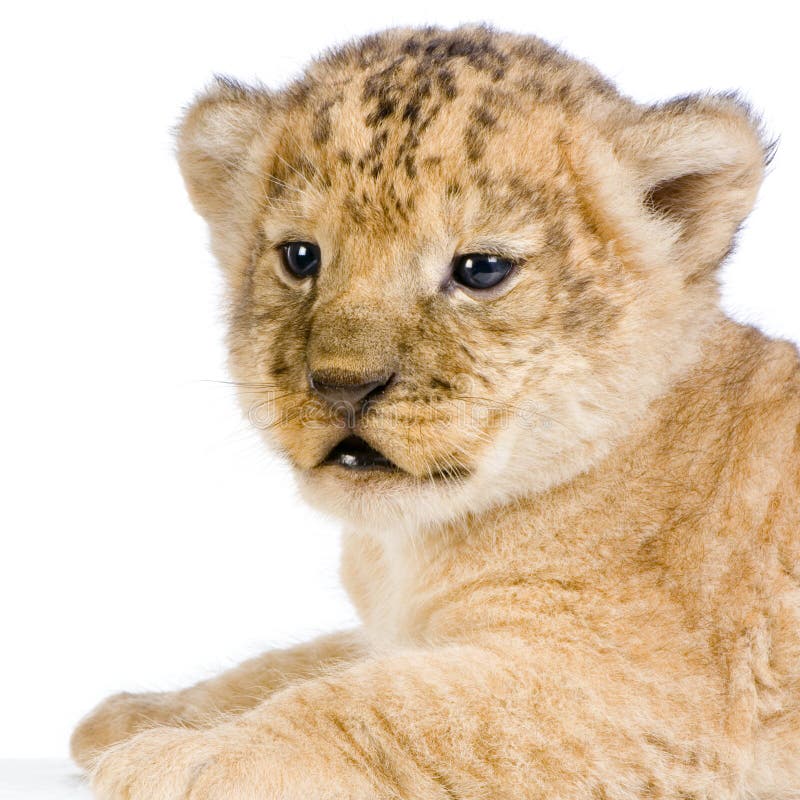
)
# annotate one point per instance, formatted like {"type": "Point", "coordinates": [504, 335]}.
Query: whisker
{"type": "Point", "coordinates": [299, 174]}
{"type": "Point", "coordinates": [309, 160]}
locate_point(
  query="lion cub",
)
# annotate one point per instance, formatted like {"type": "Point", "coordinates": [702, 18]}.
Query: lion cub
{"type": "Point", "coordinates": [473, 300]}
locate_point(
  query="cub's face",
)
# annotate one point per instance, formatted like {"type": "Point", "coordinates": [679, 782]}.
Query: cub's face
{"type": "Point", "coordinates": [461, 265]}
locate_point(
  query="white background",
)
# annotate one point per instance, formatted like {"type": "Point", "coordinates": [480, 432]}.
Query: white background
{"type": "Point", "coordinates": [147, 538]}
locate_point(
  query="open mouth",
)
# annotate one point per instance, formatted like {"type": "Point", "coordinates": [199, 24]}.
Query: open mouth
{"type": "Point", "coordinates": [354, 453]}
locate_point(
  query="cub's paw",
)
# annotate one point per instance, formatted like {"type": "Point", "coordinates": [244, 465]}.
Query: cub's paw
{"type": "Point", "coordinates": [181, 764]}
{"type": "Point", "coordinates": [229, 762]}
{"type": "Point", "coordinates": [118, 718]}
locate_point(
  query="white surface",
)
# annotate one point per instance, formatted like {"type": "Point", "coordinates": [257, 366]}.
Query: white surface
{"type": "Point", "coordinates": [147, 538]}
{"type": "Point", "coordinates": [31, 779]}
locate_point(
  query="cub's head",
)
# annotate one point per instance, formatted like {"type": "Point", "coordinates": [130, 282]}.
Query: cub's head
{"type": "Point", "coordinates": [461, 265]}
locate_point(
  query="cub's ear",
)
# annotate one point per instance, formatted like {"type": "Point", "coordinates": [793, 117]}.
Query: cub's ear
{"type": "Point", "coordinates": [219, 140]}
{"type": "Point", "coordinates": [697, 163]}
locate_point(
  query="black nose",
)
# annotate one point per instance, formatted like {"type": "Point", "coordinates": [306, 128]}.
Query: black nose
{"type": "Point", "coordinates": [350, 390]}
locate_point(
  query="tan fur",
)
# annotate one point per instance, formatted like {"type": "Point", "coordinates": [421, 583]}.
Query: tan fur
{"type": "Point", "coordinates": [585, 580]}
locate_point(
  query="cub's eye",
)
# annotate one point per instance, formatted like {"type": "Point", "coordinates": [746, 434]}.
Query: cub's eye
{"type": "Point", "coordinates": [480, 270]}
{"type": "Point", "coordinates": [302, 259]}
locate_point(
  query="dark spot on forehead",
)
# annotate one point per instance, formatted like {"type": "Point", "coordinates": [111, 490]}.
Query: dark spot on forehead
{"type": "Point", "coordinates": [403, 205]}
{"type": "Point", "coordinates": [372, 157]}
{"type": "Point", "coordinates": [531, 48]}
{"type": "Point", "coordinates": [299, 92]}
{"type": "Point", "coordinates": [385, 108]}
{"type": "Point", "coordinates": [412, 46]}
{"type": "Point", "coordinates": [601, 85]}
{"type": "Point", "coordinates": [371, 49]}
{"type": "Point", "coordinates": [447, 83]}
{"type": "Point", "coordinates": [393, 211]}
{"type": "Point", "coordinates": [421, 84]}
{"type": "Point", "coordinates": [533, 86]}
{"type": "Point", "coordinates": [482, 178]}
{"type": "Point", "coordinates": [321, 130]}
{"type": "Point", "coordinates": [433, 45]}
{"type": "Point", "coordinates": [411, 111]}
{"type": "Point", "coordinates": [382, 92]}
{"type": "Point", "coordinates": [474, 143]}
{"type": "Point", "coordinates": [482, 117]}
{"type": "Point", "coordinates": [378, 84]}
{"type": "Point", "coordinates": [379, 142]}
{"type": "Point", "coordinates": [477, 50]}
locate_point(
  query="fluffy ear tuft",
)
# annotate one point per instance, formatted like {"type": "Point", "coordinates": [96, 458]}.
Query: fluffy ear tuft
{"type": "Point", "coordinates": [214, 141]}
{"type": "Point", "coordinates": [699, 162]}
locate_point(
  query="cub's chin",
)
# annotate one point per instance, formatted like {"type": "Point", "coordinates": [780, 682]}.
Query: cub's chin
{"type": "Point", "coordinates": [364, 486]}
{"type": "Point", "coordinates": [379, 498]}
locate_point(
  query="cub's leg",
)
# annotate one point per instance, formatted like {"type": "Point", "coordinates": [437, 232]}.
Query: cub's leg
{"type": "Point", "coordinates": [237, 690]}
{"type": "Point", "coordinates": [456, 721]}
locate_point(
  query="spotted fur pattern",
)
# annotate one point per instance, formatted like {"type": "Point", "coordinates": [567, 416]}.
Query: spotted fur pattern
{"type": "Point", "coordinates": [582, 580]}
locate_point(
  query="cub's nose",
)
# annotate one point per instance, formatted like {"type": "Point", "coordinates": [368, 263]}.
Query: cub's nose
{"type": "Point", "coordinates": [352, 390]}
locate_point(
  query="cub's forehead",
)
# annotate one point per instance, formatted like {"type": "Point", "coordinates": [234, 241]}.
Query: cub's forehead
{"type": "Point", "coordinates": [414, 65]}
{"type": "Point", "coordinates": [461, 104]}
